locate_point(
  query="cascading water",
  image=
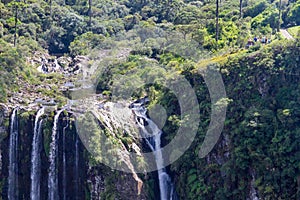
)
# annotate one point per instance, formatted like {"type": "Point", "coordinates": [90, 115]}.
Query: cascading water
{"type": "Point", "coordinates": [52, 177]}
{"type": "Point", "coordinates": [36, 158]}
{"type": "Point", "coordinates": [13, 157]}
{"type": "Point", "coordinates": [76, 175]}
{"type": "Point", "coordinates": [152, 135]}
{"type": "Point", "coordinates": [64, 164]}
{"type": "Point", "coordinates": [253, 193]}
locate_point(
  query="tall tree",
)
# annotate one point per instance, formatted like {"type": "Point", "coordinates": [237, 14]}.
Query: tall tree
{"type": "Point", "coordinates": [241, 7]}
{"type": "Point", "coordinates": [279, 16]}
{"type": "Point", "coordinates": [90, 12]}
{"type": "Point", "coordinates": [16, 24]}
{"type": "Point", "coordinates": [15, 5]}
{"type": "Point", "coordinates": [50, 4]}
{"type": "Point", "coordinates": [217, 20]}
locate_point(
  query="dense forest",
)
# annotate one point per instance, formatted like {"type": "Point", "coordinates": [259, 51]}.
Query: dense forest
{"type": "Point", "coordinates": [75, 27]}
{"type": "Point", "coordinates": [138, 47]}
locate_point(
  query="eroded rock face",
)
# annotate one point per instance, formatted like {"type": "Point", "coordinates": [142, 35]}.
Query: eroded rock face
{"type": "Point", "coordinates": [112, 123]}
{"type": "Point", "coordinates": [3, 129]}
{"type": "Point", "coordinates": [47, 64]}
{"type": "Point", "coordinates": [108, 184]}
{"type": "Point", "coordinates": [62, 71]}
{"type": "Point", "coordinates": [95, 181]}
{"type": "Point", "coordinates": [3, 115]}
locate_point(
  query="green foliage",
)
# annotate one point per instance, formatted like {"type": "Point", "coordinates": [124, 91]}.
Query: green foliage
{"type": "Point", "coordinates": [263, 82]}
{"type": "Point", "coordinates": [294, 31]}
{"type": "Point", "coordinates": [262, 126]}
{"type": "Point", "coordinates": [261, 123]}
{"type": "Point", "coordinates": [255, 9]}
{"type": "Point", "coordinates": [68, 26]}
{"type": "Point", "coordinates": [188, 14]}
{"type": "Point", "coordinates": [10, 62]}
{"type": "Point", "coordinates": [131, 20]}
{"type": "Point", "coordinates": [47, 132]}
{"type": "Point", "coordinates": [269, 17]}
{"type": "Point", "coordinates": [294, 14]}
{"type": "Point", "coordinates": [84, 43]}
{"type": "Point", "coordinates": [67, 23]}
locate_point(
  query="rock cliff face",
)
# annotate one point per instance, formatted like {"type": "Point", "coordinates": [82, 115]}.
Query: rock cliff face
{"type": "Point", "coordinates": [79, 175]}
{"type": "Point", "coordinates": [257, 155]}
{"type": "Point", "coordinates": [4, 116]}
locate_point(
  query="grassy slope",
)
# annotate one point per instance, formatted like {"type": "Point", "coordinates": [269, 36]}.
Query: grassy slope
{"type": "Point", "coordinates": [294, 30]}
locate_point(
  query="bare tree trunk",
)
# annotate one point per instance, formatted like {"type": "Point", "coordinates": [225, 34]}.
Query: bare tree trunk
{"type": "Point", "coordinates": [90, 13]}
{"type": "Point", "coordinates": [16, 24]}
{"type": "Point", "coordinates": [217, 20]}
{"type": "Point", "coordinates": [241, 7]}
{"type": "Point", "coordinates": [279, 17]}
{"type": "Point", "coordinates": [50, 8]}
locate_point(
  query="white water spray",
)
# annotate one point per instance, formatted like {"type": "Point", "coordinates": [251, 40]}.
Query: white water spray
{"type": "Point", "coordinates": [52, 177]}
{"type": "Point", "coordinates": [36, 157]}
{"type": "Point", "coordinates": [152, 135]}
{"type": "Point", "coordinates": [13, 157]}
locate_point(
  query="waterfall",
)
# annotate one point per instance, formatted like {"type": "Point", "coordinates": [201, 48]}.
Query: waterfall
{"type": "Point", "coordinates": [36, 158]}
{"type": "Point", "coordinates": [253, 193]}
{"type": "Point", "coordinates": [64, 164]}
{"type": "Point", "coordinates": [52, 177]}
{"type": "Point", "coordinates": [13, 157]}
{"type": "Point", "coordinates": [76, 166]}
{"type": "Point", "coordinates": [153, 140]}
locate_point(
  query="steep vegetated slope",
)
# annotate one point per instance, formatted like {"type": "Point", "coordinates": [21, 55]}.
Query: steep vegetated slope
{"type": "Point", "coordinates": [257, 154]}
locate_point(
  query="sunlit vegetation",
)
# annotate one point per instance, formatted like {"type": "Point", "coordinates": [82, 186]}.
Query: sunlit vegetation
{"type": "Point", "coordinates": [262, 81]}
